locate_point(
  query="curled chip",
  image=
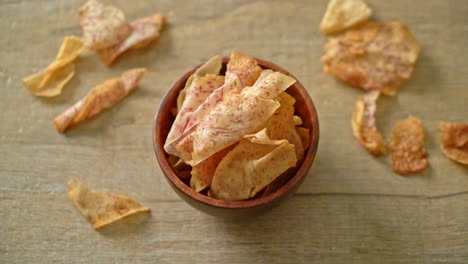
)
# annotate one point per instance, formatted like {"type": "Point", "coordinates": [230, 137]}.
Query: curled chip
{"type": "Point", "coordinates": [235, 117]}
{"type": "Point", "coordinates": [343, 14]}
{"type": "Point", "coordinates": [101, 97]}
{"type": "Point", "coordinates": [101, 208]}
{"type": "Point", "coordinates": [254, 163]}
{"type": "Point", "coordinates": [374, 56]}
{"type": "Point", "coordinates": [407, 146]}
{"type": "Point", "coordinates": [51, 81]}
{"type": "Point", "coordinates": [103, 26]}
{"type": "Point", "coordinates": [454, 141]}
{"type": "Point", "coordinates": [212, 66]}
{"type": "Point", "coordinates": [281, 124]}
{"type": "Point", "coordinates": [363, 124]}
{"type": "Point", "coordinates": [202, 173]}
{"type": "Point", "coordinates": [178, 135]}
{"type": "Point", "coordinates": [144, 32]}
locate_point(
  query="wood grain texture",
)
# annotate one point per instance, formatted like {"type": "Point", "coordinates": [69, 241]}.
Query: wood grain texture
{"type": "Point", "coordinates": [351, 208]}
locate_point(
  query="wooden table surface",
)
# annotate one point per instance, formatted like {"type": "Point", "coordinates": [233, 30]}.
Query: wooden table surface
{"type": "Point", "coordinates": [351, 208]}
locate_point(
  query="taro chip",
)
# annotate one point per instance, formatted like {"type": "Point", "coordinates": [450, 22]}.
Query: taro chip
{"type": "Point", "coordinates": [101, 208]}
{"type": "Point", "coordinates": [202, 173]}
{"type": "Point", "coordinates": [253, 164]}
{"type": "Point", "coordinates": [454, 141]}
{"type": "Point", "coordinates": [304, 134]}
{"type": "Point", "coordinates": [231, 119]}
{"type": "Point", "coordinates": [297, 120]}
{"type": "Point", "coordinates": [100, 98]}
{"type": "Point", "coordinates": [51, 81]}
{"type": "Point", "coordinates": [374, 56]}
{"type": "Point", "coordinates": [407, 146]}
{"type": "Point", "coordinates": [343, 14]}
{"type": "Point", "coordinates": [364, 127]}
{"type": "Point", "coordinates": [212, 66]}
{"type": "Point", "coordinates": [240, 69]}
{"type": "Point", "coordinates": [281, 124]}
{"type": "Point", "coordinates": [144, 32]}
{"type": "Point", "coordinates": [103, 26]}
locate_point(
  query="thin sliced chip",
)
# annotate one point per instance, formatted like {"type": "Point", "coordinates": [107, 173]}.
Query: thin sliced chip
{"type": "Point", "coordinates": [100, 98]}
{"type": "Point", "coordinates": [454, 141]}
{"type": "Point", "coordinates": [304, 134]}
{"type": "Point", "coordinates": [232, 85]}
{"type": "Point", "coordinates": [231, 119]}
{"type": "Point", "coordinates": [101, 208]}
{"type": "Point", "coordinates": [202, 173]}
{"type": "Point", "coordinates": [212, 66]}
{"type": "Point", "coordinates": [407, 146]}
{"type": "Point", "coordinates": [51, 81]}
{"type": "Point", "coordinates": [375, 56]}
{"type": "Point", "coordinates": [103, 26]}
{"type": "Point", "coordinates": [363, 124]}
{"type": "Point", "coordinates": [343, 14]}
{"type": "Point", "coordinates": [281, 125]}
{"type": "Point", "coordinates": [244, 67]}
{"type": "Point", "coordinates": [254, 163]}
{"type": "Point", "coordinates": [144, 32]}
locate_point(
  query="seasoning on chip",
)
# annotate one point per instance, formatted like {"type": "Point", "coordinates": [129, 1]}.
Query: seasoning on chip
{"type": "Point", "coordinates": [407, 146]}
{"type": "Point", "coordinates": [254, 163]}
{"type": "Point", "coordinates": [343, 14]}
{"type": "Point", "coordinates": [101, 208]}
{"type": "Point", "coordinates": [144, 32]}
{"type": "Point", "coordinates": [51, 81]}
{"type": "Point", "coordinates": [178, 135]}
{"type": "Point", "coordinates": [100, 98]}
{"type": "Point", "coordinates": [363, 124]}
{"type": "Point", "coordinates": [103, 26]}
{"type": "Point", "coordinates": [373, 56]}
{"type": "Point", "coordinates": [454, 141]}
{"type": "Point", "coordinates": [212, 66]}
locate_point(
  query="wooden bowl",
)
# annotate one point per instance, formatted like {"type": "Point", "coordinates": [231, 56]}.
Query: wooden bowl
{"type": "Point", "coordinates": [234, 209]}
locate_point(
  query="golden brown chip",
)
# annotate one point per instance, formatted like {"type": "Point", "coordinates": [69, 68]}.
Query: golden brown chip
{"type": "Point", "coordinates": [281, 125]}
{"type": "Point", "coordinates": [51, 81]}
{"type": "Point", "coordinates": [212, 66]}
{"type": "Point", "coordinates": [101, 208]}
{"type": "Point", "coordinates": [202, 173]}
{"type": "Point", "coordinates": [144, 32]}
{"type": "Point", "coordinates": [245, 67]}
{"type": "Point", "coordinates": [103, 26]}
{"type": "Point", "coordinates": [363, 124]}
{"type": "Point", "coordinates": [254, 163]}
{"type": "Point", "coordinates": [454, 141]}
{"type": "Point", "coordinates": [407, 146]}
{"type": "Point", "coordinates": [304, 134]}
{"type": "Point", "coordinates": [343, 14]}
{"type": "Point", "coordinates": [297, 120]}
{"type": "Point", "coordinates": [374, 56]}
{"type": "Point", "coordinates": [101, 97]}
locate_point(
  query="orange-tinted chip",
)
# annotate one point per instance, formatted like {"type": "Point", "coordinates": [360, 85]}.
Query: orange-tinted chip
{"type": "Point", "coordinates": [103, 26]}
{"type": "Point", "coordinates": [304, 134]}
{"type": "Point", "coordinates": [363, 124]}
{"type": "Point", "coordinates": [144, 32]}
{"type": "Point", "coordinates": [253, 164]}
{"type": "Point", "coordinates": [454, 141]}
{"type": "Point", "coordinates": [101, 208]}
{"type": "Point", "coordinates": [245, 67]}
{"type": "Point", "coordinates": [342, 14]}
{"type": "Point", "coordinates": [51, 81]}
{"type": "Point", "coordinates": [101, 97]}
{"type": "Point", "coordinates": [407, 146]}
{"type": "Point", "coordinates": [374, 56]}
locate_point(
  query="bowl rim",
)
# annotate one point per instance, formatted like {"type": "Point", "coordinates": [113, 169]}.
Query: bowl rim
{"type": "Point", "coordinates": [176, 182]}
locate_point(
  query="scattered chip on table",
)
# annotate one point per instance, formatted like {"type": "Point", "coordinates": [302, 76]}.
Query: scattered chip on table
{"type": "Point", "coordinates": [364, 126]}
{"type": "Point", "coordinates": [101, 208]}
{"type": "Point", "coordinates": [373, 56]}
{"type": "Point", "coordinates": [407, 146]}
{"type": "Point", "coordinates": [144, 32]}
{"type": "Point", "coordinates": [454, 141]}
{"type": "Point", "coordinates": [51, 81]}
{"type": "Point", "coordinates": [99, 98]}
{"type": "Point", "coordinates": [343, 14]}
